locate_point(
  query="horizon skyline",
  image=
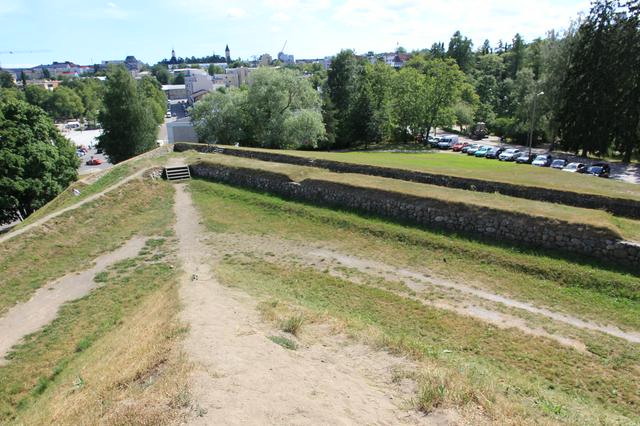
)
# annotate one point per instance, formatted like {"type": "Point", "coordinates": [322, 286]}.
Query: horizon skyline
{"type": "Point", "coordinates": [311, 29]}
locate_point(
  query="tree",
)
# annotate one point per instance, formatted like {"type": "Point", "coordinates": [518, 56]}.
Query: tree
{"type": "Point", "coordinates": [64, 103]}
{"type": "Point", "coordinates": [37, 95]}
{"type": "Point", "coordinates": [590, 89]}
{"type": "Point", "coordinates": [36, 161]}
{"type": "Point", "coordinates": [129, 127]}
{"type": "Point", "coordinates": [341, 82]}
{"type": "Point", "coordinates": [273, 96]}
{"type": "Point", "coordinates": [215, 69]}
{"type": "Point", "coordinates": [220, 117]}
{"type": "Point", "coordinates": [161, 73]}
{"type": "Point", "coordinates": [6, 80]}
{"type": "Point", "coordinates": [152, 92]}
{"type": "Point", "coordinates": [461, 50]}
{"type": "Point", "coordinates": [409, 94]}
{"type": "Point", "coordinates": [445, 83]}
{"type": "Point", "coordinates": [178, 79]}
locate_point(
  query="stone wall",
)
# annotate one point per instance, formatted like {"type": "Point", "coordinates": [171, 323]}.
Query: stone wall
{"type": "Point", "coordinates": [518, 228]}
{"type": "Point", "coordinates": [617, 206]}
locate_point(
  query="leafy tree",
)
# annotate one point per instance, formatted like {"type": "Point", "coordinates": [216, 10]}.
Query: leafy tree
{"type": "Point", "coordinates": [6, 80]}
{"type": "Point", "coordinates": [486, 48]}
{"type": "Point", "coordinates": [215, 69]}
{"type": "Point", "coordinates": [64, 103]}
{"type": "Point", "coordinates": [152, 92]}
{"type": "Point", "coordinates": [220, 117]}
{"type": "Point", "coordinates": [11, 94]}
{"type": "Point", "coordinates": [178, 79]}
{"type": "Point", "coordinates": [461, 50]}
{"type": "Point", "coordinates": [515, 58]}
{"type": "Point", "coordinates": [37, 95]}
{"type": "Point", "coordinates": [161, 73]}
{"type": "Point", "coordinates": [437, 51]}
{"type": "Point", "coordinates": [303, 129]}
{"type": "Point", "coordinates": [129, 127]}
{"type": "Point", "coordinates": [409, 107]}
{"type": "Point", "coordinates": [445, 83]}
{"type": "Point", "coordinates": [36, 161]}
{"type": "Point", "coordinates": [273, 96]}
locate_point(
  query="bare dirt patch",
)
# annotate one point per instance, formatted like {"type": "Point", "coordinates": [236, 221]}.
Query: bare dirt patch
{"type": "Point", "coordinates": [42, 308]}
{"type": "Point", "coordinates": [462, 298]}
{"type": "Point", "coordinates": [241, 376]}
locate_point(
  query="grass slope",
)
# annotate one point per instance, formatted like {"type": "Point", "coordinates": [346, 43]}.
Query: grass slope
{"type": "Point", "coordinates": [463, 165]}
{"type": "Point", "coordinates": [626, 228]}
{"type": "Point", "coordinates": [72, 240]}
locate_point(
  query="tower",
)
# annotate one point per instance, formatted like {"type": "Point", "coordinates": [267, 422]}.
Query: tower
{"type": "Point", "coordinates": [227, 54]}
{"type": "Point", "coordinates": [173, 59]}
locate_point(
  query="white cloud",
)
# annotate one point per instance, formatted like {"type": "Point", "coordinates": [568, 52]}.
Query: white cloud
{"type": "Point", "coordinates": [114, 11]}
{"type": "Point", "coordinates": [235, 13]}
{"type": "Point", "coordinates": [280, 17]}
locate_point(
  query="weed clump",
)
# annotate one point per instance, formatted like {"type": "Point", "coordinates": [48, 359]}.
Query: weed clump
{"type": "Point", "coordinates": [284, 342]}
{"type": "Point", "coordinates": [292, 324]}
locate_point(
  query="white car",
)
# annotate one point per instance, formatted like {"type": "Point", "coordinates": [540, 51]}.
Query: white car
{"type": "Point", "coordinates": [509, 154]}
{"type": "Point", "coordinates": [168, 114]}
{"type": "Point", "coordinates": [575, 168]}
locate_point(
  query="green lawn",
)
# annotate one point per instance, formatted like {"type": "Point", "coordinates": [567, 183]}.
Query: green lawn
{"type": "Point", "coordinates": [456, 164]}
{"type": "Point", "coordinates": [510, 375]}
{"type": "Point", "coordinates": [626, 228]}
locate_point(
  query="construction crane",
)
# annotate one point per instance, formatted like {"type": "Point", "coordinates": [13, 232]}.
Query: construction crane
{"type": "Point", "coordinates": [21, 52]}
{"type": "Point", "coordinates": [283, 46]}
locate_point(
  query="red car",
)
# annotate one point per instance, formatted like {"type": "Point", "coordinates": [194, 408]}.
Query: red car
{"type": "Point", "coordinates": [94, 162]}
{"type": "Point", "coordinates": [457, 147]}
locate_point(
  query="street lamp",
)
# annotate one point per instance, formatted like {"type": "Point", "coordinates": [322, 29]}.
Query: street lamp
{"type": "Point", "coordinates": [533, 117]}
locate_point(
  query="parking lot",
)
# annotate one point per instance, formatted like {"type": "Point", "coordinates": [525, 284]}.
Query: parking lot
{"type": "Point", "coordinates": [89, 139]}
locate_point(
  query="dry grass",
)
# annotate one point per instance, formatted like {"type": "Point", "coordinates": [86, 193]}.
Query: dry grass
{"type": "Point", "coordinates": [117, 382]}
{"type": "Point", "coordinates": [627, 228]}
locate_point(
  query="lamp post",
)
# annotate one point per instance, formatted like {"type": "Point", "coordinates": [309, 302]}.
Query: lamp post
{"type": "Point", "coordinates": [533, 118]}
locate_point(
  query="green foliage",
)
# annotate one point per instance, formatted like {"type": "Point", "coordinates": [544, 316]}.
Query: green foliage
{"type": "Point", "coordinates": [161, 73]}
{"type": "Point", "coordinates": [151, 90]}
{"type": "Point", "coordinates": [460, 49]}
{"type": "Point", "coordinates": [128, 122]}
{"type": "Point", "coordinates": [6, 80]}
{"type": "Point", "coordinates": [215, 69]}
{"type": "Point", "coordinates": [279, 109]}
{"type": "Point", "coordinates": [37, 95]}
{"type": "Point", "coordinates": [64, 103]}
{"type": "Point", "coordinates": [220, 117]}
{"type": "Point", "coordinates": [178, 79]}
{"type": "Point", "coordinates": [36, 161]}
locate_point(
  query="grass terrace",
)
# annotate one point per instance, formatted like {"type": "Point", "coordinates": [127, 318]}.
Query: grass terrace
{"type": "Point", "coordinates": [457, 164]}
{"type": "Point", "coordinates": [626, 228]}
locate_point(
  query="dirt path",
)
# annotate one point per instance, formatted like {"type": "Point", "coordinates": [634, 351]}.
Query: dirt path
{"type": "Point", "coordinates": [241, 377]}
{"type": "Point", "coordinates": [20, 231]}
{"type": "Point", "coordinates": [461, 298]}
{"type": "Point", "coordinates": [42, 308]}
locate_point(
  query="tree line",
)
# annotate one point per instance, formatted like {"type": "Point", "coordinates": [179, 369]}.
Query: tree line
{"type": "Point", "coordinates": [583, 84]}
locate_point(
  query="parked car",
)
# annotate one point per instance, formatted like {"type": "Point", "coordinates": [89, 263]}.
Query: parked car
{"type": "Point", "coordinates": [94, 162]}
{"type": "Point", "coordinates": [459, 146]}
{"type": "Point", "coordinates": [168, 114]}
{"type": "Point", "coordinates": [543, 160]}
{"type": "Point", "coordinates": [432, 141]}
{"type": "Point", "coordinates": [575, 168]}
{"type": "Point", "coordinates": [558, 163]}
{"type": "Point", "coordinates": [494, 152]}
{"type": "Point", "coordinates": [525, 158]}
{"type": "Point", "coordinates": [472, 146]}
{"type": "Point", "coordinates": [599, 169]}
{"type": "Point", "coordinates": [482, 151]}
{"type": "Point", "coordinates": [509, 154]}
{"type": "Point", "coordinates": [444, 144]}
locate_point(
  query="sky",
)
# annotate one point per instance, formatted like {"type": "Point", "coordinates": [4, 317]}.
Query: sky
{"type": "Point", "coordinates": [89, 31]}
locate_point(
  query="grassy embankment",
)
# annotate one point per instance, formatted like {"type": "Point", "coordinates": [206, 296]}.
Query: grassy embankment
{"type": "Point", "coordinates": [82, 368]}
{"type": "Point", "coordinates": [626, 228]}
{"type": "Point", "coordinates": [512, 377]}
{"type": "Point", "coordinates": [455, 164]}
